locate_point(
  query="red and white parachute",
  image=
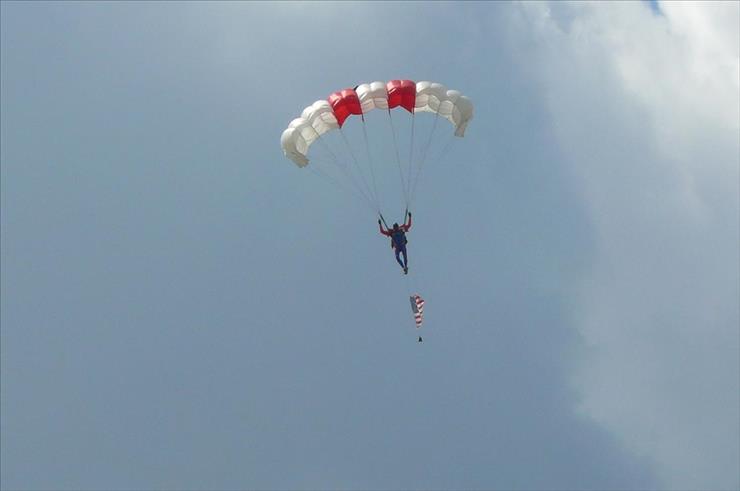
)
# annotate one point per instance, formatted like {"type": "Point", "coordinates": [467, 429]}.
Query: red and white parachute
{"type": "Point", "coordinates": [324, 121]}
{"type": "Point", "coordinates": [329, 114]}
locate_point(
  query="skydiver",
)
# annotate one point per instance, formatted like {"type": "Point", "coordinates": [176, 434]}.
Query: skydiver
{"type": "Point", "coordinates": [398, 241]}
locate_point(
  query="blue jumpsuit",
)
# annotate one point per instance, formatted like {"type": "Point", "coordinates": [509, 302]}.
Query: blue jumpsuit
{"type": "Point", "coordinates": [398, 241]}
{"type": "Point", "coordinates": [399, 244]}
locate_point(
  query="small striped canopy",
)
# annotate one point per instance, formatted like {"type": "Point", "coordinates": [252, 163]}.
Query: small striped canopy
{"type": "Point", "coordinates": [417, 307]}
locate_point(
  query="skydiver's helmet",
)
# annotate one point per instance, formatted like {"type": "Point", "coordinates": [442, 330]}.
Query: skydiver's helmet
{"type": "Point", "coordinates": [395, 226]}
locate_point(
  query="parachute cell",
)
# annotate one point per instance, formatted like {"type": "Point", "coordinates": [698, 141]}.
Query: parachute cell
{"type": "Point", "coordinates": [402, 93]}
{"type": "Point", "coordinates": [450, 104]}
{"type": "Point", "coordinates": [320, 116]}
{"type": "Point", "coordinates": [345, 103]}
{"type": "Point", "coordinates": [372, 96]}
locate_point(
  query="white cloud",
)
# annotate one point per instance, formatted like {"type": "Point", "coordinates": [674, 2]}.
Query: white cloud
{"type": "Point", "coordinates": [646, 110]}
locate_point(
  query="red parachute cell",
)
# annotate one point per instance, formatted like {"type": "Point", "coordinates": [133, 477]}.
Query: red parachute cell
{"type": "Point", "coordinates": [401, 93]}
{"type": "Point", "coordinates": [344, 103]}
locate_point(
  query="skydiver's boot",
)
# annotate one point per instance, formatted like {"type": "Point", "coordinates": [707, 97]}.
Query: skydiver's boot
{"type": "Point", "coordinates": [406, 270]}
{"type": "Point", "coordinates": [420, 340]}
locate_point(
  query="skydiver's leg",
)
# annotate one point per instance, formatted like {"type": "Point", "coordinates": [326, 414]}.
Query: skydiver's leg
{"type": "Point", "coordinates": [405, 264]}
{"type": "Point", "coordinates": [398, 257]}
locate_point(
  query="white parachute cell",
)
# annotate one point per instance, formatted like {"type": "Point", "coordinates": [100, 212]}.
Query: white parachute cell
{"type": "Point", "coordinates": [372, 96]}
{"type": "Point", "coordinates": [429, 95]}
{"type": "Point", "coordinates": [320, 116]}
{"type": "Point", "coordinates": [450, 104]}
{"type": "Point", "coordinates": [296, 139]}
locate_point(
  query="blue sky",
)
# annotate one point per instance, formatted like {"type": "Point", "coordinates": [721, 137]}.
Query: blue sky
{"type": "Point", "coordinates": [183, 308]}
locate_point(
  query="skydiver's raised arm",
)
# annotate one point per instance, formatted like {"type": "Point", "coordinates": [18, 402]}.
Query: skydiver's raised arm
{"type": "Point", "coordinates": [380, 225]}
{"type": "Point", "coordinates": [407, 226]}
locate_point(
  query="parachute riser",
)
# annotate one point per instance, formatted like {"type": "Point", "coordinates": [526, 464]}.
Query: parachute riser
{"type": "Point", "coordinates": [405, 218]}
{"type": "Point", "coordinates": [384, 222]}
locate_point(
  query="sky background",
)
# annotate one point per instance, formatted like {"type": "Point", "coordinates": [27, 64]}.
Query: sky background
{"type": "Point", "coordinates": [183, 308]}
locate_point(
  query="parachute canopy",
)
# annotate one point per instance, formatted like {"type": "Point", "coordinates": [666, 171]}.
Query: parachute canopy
{"type": "Point", "coordinates": [325, 115]}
